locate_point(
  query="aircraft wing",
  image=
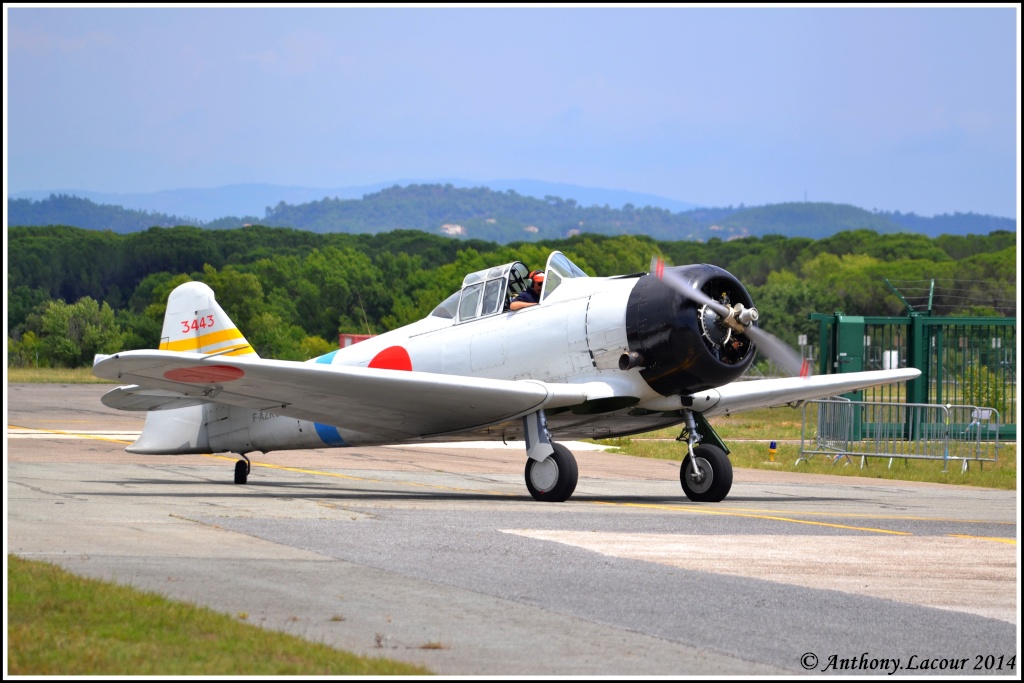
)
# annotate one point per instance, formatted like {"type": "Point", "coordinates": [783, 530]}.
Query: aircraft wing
{"type": "Point", "coordinates": [397, 402]}
{"type": "Point", "coordinates": [767, 393]}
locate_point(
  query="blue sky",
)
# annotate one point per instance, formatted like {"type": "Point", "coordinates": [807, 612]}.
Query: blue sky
{"type": "Point", "coordinates": [909, 109]}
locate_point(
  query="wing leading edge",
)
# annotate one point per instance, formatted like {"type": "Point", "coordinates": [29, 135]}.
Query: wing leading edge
{"type": "Point", "coordinates": [402, 403]}
{"type": "Point", "coordinates": [768, 393]}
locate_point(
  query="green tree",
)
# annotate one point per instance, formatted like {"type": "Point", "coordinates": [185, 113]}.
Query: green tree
{"type": "Point", "coordinates": [139, 330]}
{"type": "Point", "coordinates": [24, 352]}
{"type": "Point", "coordinates": [151, 295]}
{"type": "Point", "coordinates": [313, 347]}
{"type": "Point", "coordinates": [73, 333]}
{"type": "Point", "coordinates": [21, 301]}
{"type": "Point", "coordinates": [785, 304]}
{"type": "Point", "coordinates": [239, 294]}
{"type": "Point", "coordinates": [275, 338]}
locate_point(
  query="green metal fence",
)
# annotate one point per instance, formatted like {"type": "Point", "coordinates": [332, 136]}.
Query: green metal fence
{"type": "Point", "coordinates": [840, 428]}
{"type": "Point", "coordinates": [963, 361]}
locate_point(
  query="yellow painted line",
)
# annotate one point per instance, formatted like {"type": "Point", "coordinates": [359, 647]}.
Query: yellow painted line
{"type": "Point", "coordinates": [774, 518]}
{"type": "Point", "coordinates": [728, 512]}
{"type": "Point", "coordinates": [42, 431]}
{"type": "Point", "coordinates": [63, 422]}
{"type": "Point", "coordinates": [673, 508]}
{"type": "Point", "coordinates": [58, 433]}
{"type": "Point", "coordinates": [862, 515]}
{"type": "Point", "coordinates": [232, 458]}
{"type": "Point", "coordinates": [1008, 541]}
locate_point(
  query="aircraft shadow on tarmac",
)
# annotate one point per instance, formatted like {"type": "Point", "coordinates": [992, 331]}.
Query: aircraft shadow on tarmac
{"type": "Point", "coordinates": [269, 489]}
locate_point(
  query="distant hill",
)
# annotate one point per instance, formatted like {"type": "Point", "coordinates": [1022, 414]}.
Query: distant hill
{"type": "Point", "coordinates": [951, 224]}
{"type": "Point", "coordinates": [508, 216]}
{"type": "Point", "coordinates": [253, 199]}
{"type": "Point", "coordinates": [84, 213]}
{"type": "Point", "coordinates": [803, 219]}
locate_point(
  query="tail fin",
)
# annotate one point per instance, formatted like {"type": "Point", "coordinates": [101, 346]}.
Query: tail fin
{"type": "Point", "coordinates": [195, 322]}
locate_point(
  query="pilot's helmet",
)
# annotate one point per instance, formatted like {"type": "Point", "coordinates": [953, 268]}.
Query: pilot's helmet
{"type": "Point", "coordinates": [537, 276]}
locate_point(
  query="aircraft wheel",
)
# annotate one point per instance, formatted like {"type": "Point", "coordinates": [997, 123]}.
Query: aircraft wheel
{"type": "Point", "coordinates": [554, 479]}
{"type": "Point", "coordinates": [241, 471]}
{"type": "Point", "coordinates": [715, 479]}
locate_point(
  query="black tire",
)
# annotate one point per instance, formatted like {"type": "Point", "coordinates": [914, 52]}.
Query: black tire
{"type": "Point", "coordinates": [554, 479]}
{"type": "Point", "coordinates": [241, 472]}
{"type": "Point", "coordinates": [717, 471]}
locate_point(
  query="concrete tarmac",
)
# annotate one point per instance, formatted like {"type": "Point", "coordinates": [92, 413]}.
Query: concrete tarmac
{"type": "Point", "coordinates": [439, 556]}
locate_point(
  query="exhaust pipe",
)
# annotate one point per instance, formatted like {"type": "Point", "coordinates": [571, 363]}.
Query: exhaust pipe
{"type": "Point", "coordinates": [630, 360]}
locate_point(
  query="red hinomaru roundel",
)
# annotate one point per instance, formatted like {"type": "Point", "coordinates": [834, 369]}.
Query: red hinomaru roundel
{"type": "Point", "coordinates": [205, 374]}
{"type": "Point", "coordinates": [392, 358]}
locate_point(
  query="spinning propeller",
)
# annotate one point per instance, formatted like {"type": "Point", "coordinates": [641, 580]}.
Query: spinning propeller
{"type": "Point", "coordinates": [738, 319]}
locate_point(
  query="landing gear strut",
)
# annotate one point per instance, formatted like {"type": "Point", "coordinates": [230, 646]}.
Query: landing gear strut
{"type": "Point", "coordinates": [706, 473]}
{"type": "Point", "coordinates": [242, 468]}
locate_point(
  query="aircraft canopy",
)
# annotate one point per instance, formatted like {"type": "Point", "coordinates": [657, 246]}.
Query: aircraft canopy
{"type": "Point", "coordinates": [490, 291]}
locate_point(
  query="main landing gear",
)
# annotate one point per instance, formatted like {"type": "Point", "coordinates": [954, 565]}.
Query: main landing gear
{"type": "Point", "coordinates": [706, 472]}
{"type": "Point", "coordinates": [551, 471]}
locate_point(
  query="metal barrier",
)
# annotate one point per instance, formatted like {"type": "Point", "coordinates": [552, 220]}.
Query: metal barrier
{"type": "Point", "coordinates": [913, 431]}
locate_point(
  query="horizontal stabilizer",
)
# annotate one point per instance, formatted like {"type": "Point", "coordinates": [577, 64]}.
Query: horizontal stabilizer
{"type": "Point", "coordinates": [135, 397]}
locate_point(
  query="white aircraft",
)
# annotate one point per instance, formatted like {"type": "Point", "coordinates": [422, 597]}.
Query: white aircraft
{"type": "Point", "coordinates": [598, 357]}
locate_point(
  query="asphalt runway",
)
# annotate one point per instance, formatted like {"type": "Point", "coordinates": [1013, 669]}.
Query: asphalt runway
{"type": "Point", "coordinates": [440, 557]}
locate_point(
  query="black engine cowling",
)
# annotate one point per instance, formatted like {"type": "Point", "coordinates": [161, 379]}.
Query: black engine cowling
{"type": "Point", "coordinates": [681, 346]}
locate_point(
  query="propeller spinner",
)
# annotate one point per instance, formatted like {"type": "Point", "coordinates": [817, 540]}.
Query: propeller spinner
{"type": "Point", "coordinates": [738, 319]}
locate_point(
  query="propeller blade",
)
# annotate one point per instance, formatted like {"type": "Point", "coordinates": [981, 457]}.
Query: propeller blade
{"type": "Point", "coordinates": [774, 348]}
{"type": "Point", "coordinates": [678, 283]}
{"type": "Point", "coordinates": [779, 352]}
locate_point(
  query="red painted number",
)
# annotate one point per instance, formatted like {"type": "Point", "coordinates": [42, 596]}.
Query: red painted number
{"type": "Point", "coordinates": [196, 324]}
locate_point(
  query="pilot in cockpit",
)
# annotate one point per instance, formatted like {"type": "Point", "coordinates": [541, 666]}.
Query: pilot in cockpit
{"type": "Point", "coordinates": [531, 295]}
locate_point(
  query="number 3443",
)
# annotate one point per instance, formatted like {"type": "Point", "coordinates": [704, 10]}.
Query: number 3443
{"type": "Point", "coordinates": [196, 324]}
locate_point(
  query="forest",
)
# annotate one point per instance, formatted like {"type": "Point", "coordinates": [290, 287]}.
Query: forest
{"type": "Point", "coordinates": [74, 292]}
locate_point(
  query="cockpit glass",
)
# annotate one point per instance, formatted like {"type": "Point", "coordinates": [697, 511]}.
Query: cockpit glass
{"type": "Point", "coordinates": [559, 269]}
{"type": "Point", "coordinates": [447, 308]}
{"type": "Point", "coordinates": [517, 279]}
{"type": "Point", "coordinates": [492, 291]}
{"type": "Point", "coordinates": [470, 298]}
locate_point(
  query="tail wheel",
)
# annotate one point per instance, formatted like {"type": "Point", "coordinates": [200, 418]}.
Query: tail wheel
{"type": "Point", "coordinates": [553, 479]}
{"type": "Point", "coordinates": [242, 471]}
{"type": "Point", "coordinates": [713, 480]}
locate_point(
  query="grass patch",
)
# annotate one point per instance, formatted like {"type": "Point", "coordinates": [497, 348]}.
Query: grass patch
{"type": "Point", "coordinates": [999, 475]}
{"type": "Point", "coordinates": [748, 434]}
{"type": "Point", "coordinates": [53, 376]}
{"type": "Point", "coordinates": [59, 624]}
{"type": "Point", "coordinates": [767, 423]}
